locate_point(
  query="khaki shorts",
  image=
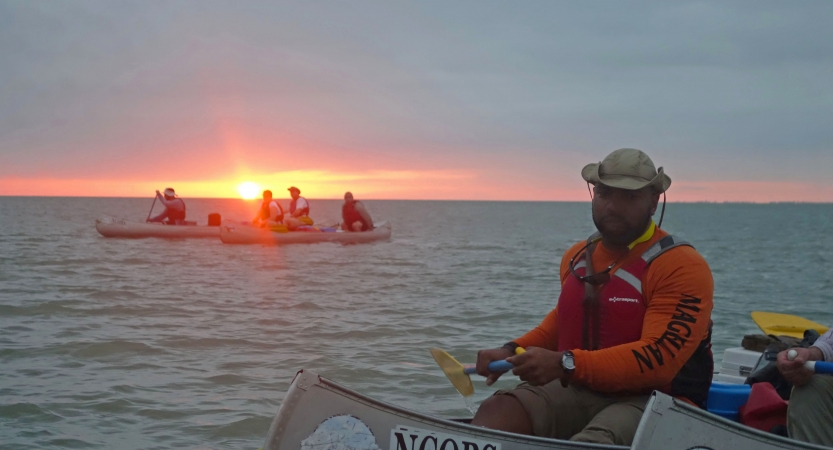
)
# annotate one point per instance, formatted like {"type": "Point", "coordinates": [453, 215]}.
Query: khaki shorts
{"type": "Point", "coordinates": [579, 414]}
{"type": "Point", "coordinates": [811, 411]}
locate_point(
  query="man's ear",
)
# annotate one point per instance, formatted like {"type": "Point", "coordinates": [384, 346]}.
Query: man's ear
{"type": "Point", "coordinates": [654, 202]}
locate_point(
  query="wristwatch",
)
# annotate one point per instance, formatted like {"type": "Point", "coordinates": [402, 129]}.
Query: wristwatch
{"type": "Point", "coordinates": [568, 362]}
{"type": "Point", "coordinates": [511, 346]}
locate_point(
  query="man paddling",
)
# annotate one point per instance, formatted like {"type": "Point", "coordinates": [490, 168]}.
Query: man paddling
{"type": "Point", "coordinates": [298, 210]}
{"type": "Point", "coordinates": [270, 213]}
{"type": "Point", "coordinates": [354, 216]}
{"type": "Point", "coordinates": [633, 316]}
{"type": "Point", "coordinates": [174, 213]}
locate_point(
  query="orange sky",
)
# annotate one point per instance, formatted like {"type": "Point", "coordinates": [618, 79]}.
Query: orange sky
{"type": "Point", "coordinates": [215, 164]}
{"type": "Point", "coordinates": [405, 185]}
{"type": "Point", "coordinates": [414, 100]}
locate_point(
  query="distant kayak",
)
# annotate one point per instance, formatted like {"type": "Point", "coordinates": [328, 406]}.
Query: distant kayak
{"type": "Point", "coordinates": [112, 227]}
{"type": "Point", "coordinates": [232, 234]}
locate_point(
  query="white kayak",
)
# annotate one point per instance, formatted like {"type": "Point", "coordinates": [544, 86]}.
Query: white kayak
{"type": "Point", "coordinates": [244, 234]}
{"type": "Point", "coordinates": [318, 414]}
{"type": "Point", "coordinates": [112, 227]}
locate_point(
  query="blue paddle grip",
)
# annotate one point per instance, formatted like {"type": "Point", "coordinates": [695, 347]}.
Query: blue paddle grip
{"type": "Point", "coordinates": [494, 366]}
{"type": "Point", "coordinates": [820, 367]}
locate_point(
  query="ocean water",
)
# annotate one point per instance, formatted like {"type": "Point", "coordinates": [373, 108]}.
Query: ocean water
{"type": "Point", "coordinates": [114, 343]}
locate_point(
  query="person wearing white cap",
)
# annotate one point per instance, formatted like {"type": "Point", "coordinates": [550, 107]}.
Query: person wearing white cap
{"type": "Point", "coordinates": [298, 210]}
{"type": "Point", "coordinates": [174, 213]}
{"type": "Point", "coordinates": [633, 316]}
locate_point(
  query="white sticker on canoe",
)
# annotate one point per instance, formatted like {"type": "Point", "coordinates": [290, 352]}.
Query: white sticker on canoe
{"type": "Point", "coordinates": [410, 438]}
{"type": "Point", "coordinates": [341, 433]}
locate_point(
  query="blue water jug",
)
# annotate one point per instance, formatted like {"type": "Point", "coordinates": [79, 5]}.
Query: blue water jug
{"type": "Point", "coordinates": [725, 399]}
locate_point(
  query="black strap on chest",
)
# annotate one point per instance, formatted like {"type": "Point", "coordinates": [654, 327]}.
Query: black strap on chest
{"type": "Point", "coordinates": [590, 304]}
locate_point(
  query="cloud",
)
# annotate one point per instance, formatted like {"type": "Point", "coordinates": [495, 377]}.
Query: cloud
{"type": "Point", "coordinates": [192, 89]}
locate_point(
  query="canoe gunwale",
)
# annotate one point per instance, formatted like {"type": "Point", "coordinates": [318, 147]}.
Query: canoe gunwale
{"type": "Point", "coordinates": [672, 410]}
{"type": "Point", "coordinates": [666, 424]}
{"type": "Point", "coordinates": [111, 227]}
{"type": "Point", "coordinates": [447, 424]}
{"type": "Point", "coordinates": [305, 381]}
{"type": "Point", "coordinates": [248, 235]}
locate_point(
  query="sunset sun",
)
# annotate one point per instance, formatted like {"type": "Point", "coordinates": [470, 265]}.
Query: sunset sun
{"type": "Point", "coordinates": [248, 190]}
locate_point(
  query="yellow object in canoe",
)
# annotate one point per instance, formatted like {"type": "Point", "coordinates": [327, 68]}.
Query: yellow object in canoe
{"type": "Point", "coordinates": [785, 324]}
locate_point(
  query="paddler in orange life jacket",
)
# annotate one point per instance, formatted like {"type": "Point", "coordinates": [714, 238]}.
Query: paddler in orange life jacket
{"type": "Point", "coordinates": [270, 212]}
{"type": "Point", "coordinates": [633, 316]}
{"type": "Point", "coordinates": [298, 210]}
{"type": "Point", "coordinates": [354, 216]}
{"type": "Point", "coordinates": [174, 213]}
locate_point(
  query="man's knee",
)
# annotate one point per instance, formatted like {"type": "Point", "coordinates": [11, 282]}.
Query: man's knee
{"type": "Point", "coordinates": [809, 413]}
{"type": "Point", "coordinates": [806, 399]}
{"type": "Point", "coordinates": [494, 405]}
{"type": "Point", "coordinates": [505, 413]}
{"type": "Point", "coordinates": [597, 435]}
{"type": "Point", "coordinates": [615, 424]}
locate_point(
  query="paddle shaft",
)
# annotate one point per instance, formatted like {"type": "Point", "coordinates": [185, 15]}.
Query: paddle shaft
{"type": "Point", "coordinates": [151, 208]}
{"type": "Point", "coordinates": [819, 366]}
{"type": "Point", "coordinates": [494, 366]}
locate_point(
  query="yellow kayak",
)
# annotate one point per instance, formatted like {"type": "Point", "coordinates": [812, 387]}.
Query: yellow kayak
{"type": "Point", "coordinates": [785, 324]}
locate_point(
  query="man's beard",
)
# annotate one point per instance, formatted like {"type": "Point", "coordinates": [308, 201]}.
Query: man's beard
{"type": "Point", "coordinates": [622, 238]}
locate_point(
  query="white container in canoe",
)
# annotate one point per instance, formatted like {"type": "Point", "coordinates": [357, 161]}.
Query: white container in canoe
{"type": "Point", "coordinates": [112, 227]}
{"type": "Point", "coordinates": [318, 414]}
{"type": "Point", "coordinates": [244, 234]}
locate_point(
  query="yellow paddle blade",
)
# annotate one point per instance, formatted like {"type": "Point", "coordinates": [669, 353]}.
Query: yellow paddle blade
{"type": "Point", "coordinates": [785, 324]}
{"type": "Point", "coordinates": [454, 371]}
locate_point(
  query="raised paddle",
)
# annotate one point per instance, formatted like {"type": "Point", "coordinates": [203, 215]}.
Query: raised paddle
{"type": "Point", "coordinates": [785, 324]}
{"type": "Point", "coordinates": [151, 207]}
{"type": "Point", "coordinates": [458, 373]}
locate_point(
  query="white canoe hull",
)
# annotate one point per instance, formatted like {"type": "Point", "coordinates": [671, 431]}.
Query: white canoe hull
{"type": "Point", "coordinates": [671, 424]}
{"type": "Point", "coordinates": [112, 227]}
{"type": "Point", "coordinates": [317, 414]}
{"type": "Point", "coordinates": [244, 234]}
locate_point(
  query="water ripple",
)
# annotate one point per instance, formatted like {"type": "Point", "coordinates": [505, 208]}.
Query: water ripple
{"type": "Point", "coordinates": [109, 343]}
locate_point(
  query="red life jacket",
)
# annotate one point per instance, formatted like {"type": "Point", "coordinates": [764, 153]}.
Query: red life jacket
{"type": "Point", "coordinates": [349, 215]}
{"type": "Point", "coordinates": [619, 315]}
{"type": "Point", "coordinates": [304, 211]}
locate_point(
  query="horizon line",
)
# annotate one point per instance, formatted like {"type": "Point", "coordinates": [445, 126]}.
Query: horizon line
{"type": "Point", "coordinates": [747, 202]}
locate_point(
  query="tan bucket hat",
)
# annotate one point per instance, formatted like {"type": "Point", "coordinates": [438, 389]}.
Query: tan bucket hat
{"type": "Point", "coordinates": [626, 168]}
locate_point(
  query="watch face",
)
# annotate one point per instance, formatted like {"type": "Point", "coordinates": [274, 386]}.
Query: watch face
{"type": "Point", "coordinates": [568, 362]}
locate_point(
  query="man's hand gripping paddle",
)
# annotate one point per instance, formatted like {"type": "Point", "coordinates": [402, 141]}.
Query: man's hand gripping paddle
{"type": "Point", "coordinates": [813, 366]}
{"type": "Point", "coordinates": [458, 373]}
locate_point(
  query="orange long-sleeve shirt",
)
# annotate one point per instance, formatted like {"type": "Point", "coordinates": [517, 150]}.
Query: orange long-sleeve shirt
{"type": "Point", "coordinates": [678, 289]}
